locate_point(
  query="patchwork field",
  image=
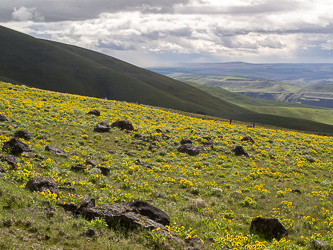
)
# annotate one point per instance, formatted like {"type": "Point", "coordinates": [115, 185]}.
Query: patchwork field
{"type": "Point", "coordinates": [211, 197]}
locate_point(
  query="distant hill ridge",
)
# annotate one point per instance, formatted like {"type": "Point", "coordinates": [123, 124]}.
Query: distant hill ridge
{"type": "Point", "coordinates": [69, 69]}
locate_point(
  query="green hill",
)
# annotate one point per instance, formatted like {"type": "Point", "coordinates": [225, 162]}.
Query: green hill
{"type": "Point", "coordinates": [69, 69]}
{"type": "Point", "coordinates": [286, 109]}
{"type": "Point", "coordinates": [124, 189]}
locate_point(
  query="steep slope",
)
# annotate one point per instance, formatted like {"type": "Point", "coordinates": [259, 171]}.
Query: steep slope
{"type": "Point", "coordinates": [63, 68]}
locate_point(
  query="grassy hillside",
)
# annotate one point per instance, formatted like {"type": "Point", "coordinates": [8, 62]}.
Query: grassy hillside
{"type": "Point", "coordinates": [211, 198]}
{"type": "Point", "coordinates": [294, 110]}
{"type": "Point", "coordinates": [68, 69]}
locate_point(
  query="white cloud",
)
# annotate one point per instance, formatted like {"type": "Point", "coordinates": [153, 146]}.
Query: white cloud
{"type": "Point", "coordinates": [26, 14]}
{"type": "Point", "coordinates": [241, 29]}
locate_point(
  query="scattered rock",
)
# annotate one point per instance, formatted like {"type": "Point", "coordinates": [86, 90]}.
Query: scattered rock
{"type": "Point", "coordinates": [318, 244]}
{"type": "Point", "coordinates": [185, 141]}
{"type": "Point", "coordinates": [165, 137]}
{"type": "Point", "coordinates": [123, 124]}
{"type": "Point", "coordinates": [91, 162]}
{"type": "Point", "coordinates": [15, 146]}
{"type": "Point", "coordinates": [3, 118]}
{"type": "Point", "coordinates": [130, 154]}
{"type": "Point", "coordinates": [269, 228]}
{"type": "Point", "coordinates": [208, 143]}
{"type": "Point", "coordinates": [10, 160]}
{"type": "Point", "coordinates": [153, 138]}
{"type": "Point", "coordinates": [69, 189]}
{"type": "Point", "coordinates": [191, 248]}
{"type": "Point", "coordinates": [189, 149]}
{"type": "Point", "coordinates": [131, 215]}
{"type": "Point", "coordinates": [141, 137]}
{"type": "Point", "coordinates": [297, 191]}
{"type": "Point", "coordinates": [148, 210]}
{"type": "Point", "coordinates": [39, 157]}
{"type": "Point", "coordinates": [248, 138]}
{"type": "Point", "coordinates": [24, 134]}
{"type": "Point", "coordinates": [152, 146]}
{"type": "Point", "coordinates": [94, 112]}
{"type": "Point", "coordinates": [42, 184]}
{"type": "Point", "coordinates": [111, 151]}
{"type": "Point", "coordinates": [90, 233]}
{"type": "Point", "coordinates": [105, 171]}
{"type": "Point", "coordinates": [194, 241]}
{"type": "Point", "coordinates": [102, 127]}
{"type": "Point", "coordinates": [78, 168]}
{"type": "Point", "coordinates": [13, 125]}
{"type": "Point", "coordinates": [239, 150]}
{"type": "Point", "coordinates": [55, 150]}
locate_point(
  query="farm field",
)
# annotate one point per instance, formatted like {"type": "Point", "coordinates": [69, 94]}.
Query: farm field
{"type": "Point", "coordinates": [210, 195]}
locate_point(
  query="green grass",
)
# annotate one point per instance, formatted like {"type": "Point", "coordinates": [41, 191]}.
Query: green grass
{"type": "Point", "coordinates": [286, 109]}
{"type": "Point", "coordinates": [70, 69]}
{"type": "Point", "coordinates": [213, 195]}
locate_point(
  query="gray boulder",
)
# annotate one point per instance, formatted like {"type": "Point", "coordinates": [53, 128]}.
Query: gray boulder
{"type": "Point", "coordinates": [55, 150]}
{"type": "Point", "coordinates": [15, 146]}
{"type": "Point", "coordinates": [42, 184]}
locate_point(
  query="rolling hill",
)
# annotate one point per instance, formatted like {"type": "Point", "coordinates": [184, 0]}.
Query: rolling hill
{"type": "Point", "coordinates": [320, 95]}
{"type": "Point", "coordinates": [49, 65]}
{"type": "Point", "coordinates": [288, 109]}
{"type": "Point", "coordinates": [69, 69]}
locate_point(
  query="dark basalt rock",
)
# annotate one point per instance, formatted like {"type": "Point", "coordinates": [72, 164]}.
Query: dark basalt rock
{"type": "Point", "coordinates": [123, 124]}
{"type": "Point", "coordinates": [239, 150]}
{"type": "Point", "coordinates": [10, 160]}
{"type": "Point", "coordinates": [208, 143]}
{"type": "Point", "coordinates": [131, 215]}
{"type": "Point", "coordinates": [90, 233]}
{"type": "Point", "coordinates": [141, 137]}
{"type": "Point", "coordinates": [55, 150]}
{"type": "Point", "coordinates": [319, 244]}
{"type": "Point", "coordinates": [77, 168]}
{"type": "Point", "coordinates": [94, 112]}
{"type": "Point", "coordinates": [42, 184]}
{"type": "Point", "coordinates": [269, 228]}
{"type": "Point", "coordinates": [102, 127]}
{"type": "Point", "coordinates": [24, 134]}
{"type": "Point", "coordinates": [248, 138]}
{"type": "Point", "coordinates": [111, 151]}
{"type": "Point", "coordinates": [105, 171]}
{"type": "Point", "coordinates": [15, 146]}
{"type": "Point", "coordinates": [185, 141]}
{"type": "Point", "coordinates": [152, 146]}
{"type": "Point", "coordinates": [3, 118]}
{"type": "Point", "coordinates": [189, 149]}
{"type": "Point", "coordinates": [91, 162]}
{"type": "Point", "coordinates": [148, 210]}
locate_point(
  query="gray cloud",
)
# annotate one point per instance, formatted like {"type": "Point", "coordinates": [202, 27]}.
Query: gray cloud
{"type": "Point", "coordinates": [71, 10]}
{"type": "Point", "coordinates": [243, 30]}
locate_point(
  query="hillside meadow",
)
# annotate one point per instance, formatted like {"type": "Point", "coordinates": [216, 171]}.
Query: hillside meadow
{"type": "Point", "coordinates": [212, 196]}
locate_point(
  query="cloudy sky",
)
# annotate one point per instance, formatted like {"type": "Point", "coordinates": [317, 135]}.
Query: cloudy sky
{"type": "Point", "coordinates": [164, 32]}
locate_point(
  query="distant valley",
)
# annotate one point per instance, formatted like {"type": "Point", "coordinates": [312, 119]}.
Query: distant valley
{"type": "Point", "coordinates": [310, 84]}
